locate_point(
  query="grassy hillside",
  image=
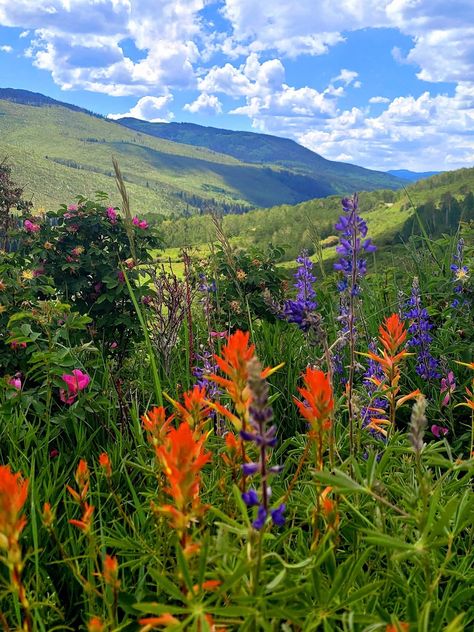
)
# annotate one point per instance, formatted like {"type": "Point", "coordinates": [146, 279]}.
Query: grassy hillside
{"type": "Point", "coordinates": [311, 222]}
{"type": "Point", "coordinates": [337, 177]}
{"type": "Point", "coordinates": [57, 152]}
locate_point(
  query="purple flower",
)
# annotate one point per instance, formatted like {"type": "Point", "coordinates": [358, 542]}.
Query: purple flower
{"type": "Point", "coordinates": [277, 515]}
{"type": "Point", "coordinates": [448, 386]}
{"type": "Point", "coordinates": [259, 522]}
{"type": "Point", "coordinates": [297, 311]}
{"type": "Point", "coordinates": [460, 273]}
{"type": "Point", "coordinates": [250, 498]}
{"type": "Point", "coordinates": [427, 366]}
{"type": "Point", "coordinates": [439, 431]}
{"type": "Point", "coordinates": [352, 242]}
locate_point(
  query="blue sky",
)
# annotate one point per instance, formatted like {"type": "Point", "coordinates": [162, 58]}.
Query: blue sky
{"type": "Point", "coordinates": [381, 83]}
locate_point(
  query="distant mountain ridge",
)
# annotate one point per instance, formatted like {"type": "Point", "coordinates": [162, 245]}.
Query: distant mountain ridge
{"type": "Point", "coordinates": [267, 149]}
{"type": "Point", "coordinates": [412, 176]}
{"type": "Point", "coordinates": [59, 150]}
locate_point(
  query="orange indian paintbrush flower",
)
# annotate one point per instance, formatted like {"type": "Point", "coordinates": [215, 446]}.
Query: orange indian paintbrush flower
{"type": "Point", "coordinates": [195, 410]}
{"type": "Point", "coordinates": [182, 457]}
{"type": "Point", "coordinates": [156, 424]}
{"type": "Point", "coordinates": [317, 407]}
{"type": "Point", "coordinates": [392, 335]}
{"type": "Point", "coordinates": [236, 354]}
{"type": "Point", "coordinates": [13, 495]}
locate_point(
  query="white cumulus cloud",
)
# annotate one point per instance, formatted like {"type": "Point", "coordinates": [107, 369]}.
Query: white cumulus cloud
{"type": "Point", "coordinates": [152, 109]}
{"type": "Point", "coordinates": [204, 104]}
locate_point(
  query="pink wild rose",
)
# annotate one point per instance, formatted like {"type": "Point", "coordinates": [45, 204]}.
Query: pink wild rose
{"type": "Point", "coordinates": [76, 382]}
{"type": "Point", "coordinates": [15, 382]}
{"type": "Point", "coordinates": [112, 214]}
{"type": "Point", "coordinates": [30, 227]}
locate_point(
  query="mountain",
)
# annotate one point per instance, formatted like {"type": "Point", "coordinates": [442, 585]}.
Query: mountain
{"type": "Point", "coordinates": [412, 176]}
{"type": "Point", "coordinates": [441, 201]}
{"type": "Point", "coordinates": [340, 177]}
{"type": "Point", "coordinates": [59, 150]}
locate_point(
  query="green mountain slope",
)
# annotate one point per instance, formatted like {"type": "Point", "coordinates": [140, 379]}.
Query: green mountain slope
{"type": "Point", "coordinates": [441, 201]}
{"type": "Point", "coordinates": [339, 177]}
{"type": "Point", "coordinates": [57, 152]}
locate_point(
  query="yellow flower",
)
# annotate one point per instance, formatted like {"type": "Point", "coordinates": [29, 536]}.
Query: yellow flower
{"type": "Point", "coordinates": [27, 275]}
{"type": "Point", "coordinates": [462, 275]}
{"type": "Point", "coordinates": [2, 309]}
{"type": "Point", "coordinates": [48, 245]}
{"type": "Point", "coordinates": [241, 275]}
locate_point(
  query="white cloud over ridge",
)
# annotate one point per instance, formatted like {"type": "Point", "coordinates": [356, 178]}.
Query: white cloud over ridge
{"type": "Point", "coordinates": [79, 43]}
{"type": "Point", "coordinates": [152, 109]}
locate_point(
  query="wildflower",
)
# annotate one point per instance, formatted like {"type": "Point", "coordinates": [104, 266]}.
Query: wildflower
{"type": "Point", "coordinates": [418, 423]}
{"type": "Point", "coordinates": [78, 250]}
{"type": "Point", "coordinates": [112, 214]}
{"type": "Point", "coordinates": [297, 311]}
{"type": "Point", "coordinates": [263, 436]}
{"type": "Point", "coordinates": [157, 425]}
{"type": "Point", "coordinates": [195, 410]}
{"type": "Point", "coordinates": [3, 286]}
{"type": "Point", "coordinates": [241, 275]}
{"type": "Point", "coordinates": [377, 405]}
{"type": "Point", "coordinates": [73, 207]}
{"type": "Point", "coordinates": [352, 243]}
{"type": "Point", "coordinates": [30, 227]}
{"type": "Point", "coordinates": [329, 508]}
{"type": "Point", "coordinates": [48, 245]}
{"type": "Point", "coordinates": [15, 382]}
{"type": "Point", "coordinates": [460, 272]}
{"type": "Point", "coordinates": [120, 277]}
{"type": "Point", "coordinates": [392, 335]}
{"type": "Point", "coordinates": [140, 223]}
{"type": "Point", "coordinates": [165, 620]}
{"type": "Point", "coordinates": [235, 307]}
{"type": "Point", "coordinates": [81, 477]}
{"type": "Point", "coordinates": [96, 625]}
{"type": "Point", "coordinates": [76, 382]}
{"type": "Point", "coordinates": [105, 464]}
{"type": "Point", "coordinates": [54, 453]}
{"type": "Point", "coordinates": [85, 523]}
{"type": "Point", "coordinates": [426, 366]}
{"type": "Point", "coordinates": [317, 406]}
{"type": "Point", "coordinates": [130, 263]}
{"type": "Point", "coordinates": [398, 627]}
{"type": "Point", "coordinates": [439, 431]}
{"type": "Point", "coordinates": [448, 386]}
{"type": "Point", "coordinates": [182, 457]}
{"type": "Point", "coordinates": [236, 354]}
{"type": "Point", "coordinates": [47, 516]}
{"type": "Point", "coordinates": [3, 309]}
{"type": "Point", "coordinates": [14, 344]}
{"type": "Point", "coordinates": [110, 571]}
{"type": "Point", "coordinates": [27, 275]}
{"type": "Point", "coordinates": [13, 494]}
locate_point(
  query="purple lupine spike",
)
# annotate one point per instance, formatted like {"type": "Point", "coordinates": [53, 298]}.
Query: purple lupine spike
{"type": "Point", "coordinates": [427, 366]}
{"type": "Point", "coordinates": [297, 311]}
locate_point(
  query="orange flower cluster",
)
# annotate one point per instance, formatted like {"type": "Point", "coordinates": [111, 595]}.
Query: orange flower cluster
{"type": "Point", "coordinates": [317, 407]}
{"type": "Point", "coordinates": [182, 458]}
{"type": "Point", "coordinates": [236, 354]}
{"type": "Point", "coordinates": [392, 335]}
{"type": "Point", "coordinates": [156, 425]}
{"type": "Point", "coordinates": [195, 410]}
{"type": "Point", "coordinates": [80, 497]}
{"type": "Point", "coordinates": [13, 495]}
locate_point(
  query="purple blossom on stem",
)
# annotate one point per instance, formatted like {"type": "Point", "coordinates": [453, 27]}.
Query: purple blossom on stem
{"type": "Point", "coordinates": [427, 366]}
{"type": "Point", "coordinates": [263, 435]}
{"type": "Point", "coordinates": [297, 311]}
{"type": "Point", "coordinates": [352, 243]}
{"type": "Point", "coordinates": [448, 386]}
